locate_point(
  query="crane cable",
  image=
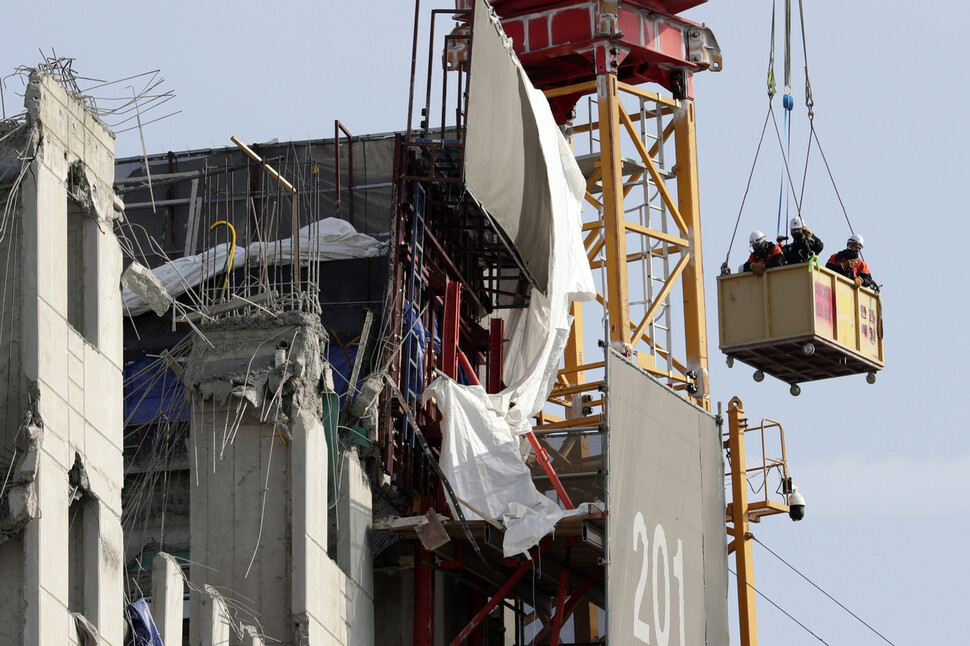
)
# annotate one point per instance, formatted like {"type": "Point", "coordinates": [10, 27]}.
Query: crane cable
{"type": "Point", "coordinates": [782, 610]}
{"type": "Point", "coordinates": [813, 135]}
{"type": "Point", "coordinates": [836, 601]}
{"type": "Point", "coordinates": [787, 102]}
{"type": "Point", "coordinates": [725, 267]}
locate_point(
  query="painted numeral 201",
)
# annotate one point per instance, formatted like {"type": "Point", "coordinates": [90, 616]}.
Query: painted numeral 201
{"type": "Point", "coordinates": [655, 562]}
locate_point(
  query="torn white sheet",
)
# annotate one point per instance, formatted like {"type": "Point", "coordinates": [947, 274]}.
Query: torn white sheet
{"type": "Point", "coordinates": [480, 456]}
{"type": "Point", "coordinates": [328, 239]}
{"type": "Point", "coordinates": [480, 445]}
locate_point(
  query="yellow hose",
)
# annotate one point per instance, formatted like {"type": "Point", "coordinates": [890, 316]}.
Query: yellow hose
{"type": "Point", "coordinates": [232, 252]}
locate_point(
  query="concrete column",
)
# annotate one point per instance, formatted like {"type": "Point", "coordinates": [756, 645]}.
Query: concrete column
{"type": "Point", "coordinates": [214, 619]}
{"type": "Point", "coordinates": [259, 499]}
{"type": "Point", "coordinates": [81, 416]}
{"type": "Point", "coordinates": [46, 549]}
{"type": "Point", "coordinates": [250, 636]}
{"type": "Point", "coordinates": [167, 598]}
{"type": "Point", "coordinates": [508, 620]}
{"type": "Point", "coordinates": [354, 505]}
{"type": "Point", "coordinates": [103, 563]}
{"type": "Point", "coordinates": [308, 460]}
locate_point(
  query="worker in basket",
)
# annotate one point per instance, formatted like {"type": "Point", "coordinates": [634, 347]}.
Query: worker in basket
{"type": "Point", "coordinates": [764, 254]}
{"type": "Point", "coordinates": [804, 244]}
{"type": "Point", "coordinates": [850, 264]}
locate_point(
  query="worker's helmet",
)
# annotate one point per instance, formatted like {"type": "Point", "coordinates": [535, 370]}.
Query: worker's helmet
{"type": "Point", "coordinates": [756, 239]}
{"type": "Point", "coordinates": [855, 238]}
{"type": "Point", "coordinates": [796, 223]}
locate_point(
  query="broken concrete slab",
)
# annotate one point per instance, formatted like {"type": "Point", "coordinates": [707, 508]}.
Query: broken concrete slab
{"type": "Point", "coordinates": [143, 282]}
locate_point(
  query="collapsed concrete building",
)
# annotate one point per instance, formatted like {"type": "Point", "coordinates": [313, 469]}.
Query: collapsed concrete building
{"type": "Point", "coordinates": [315, 384]}
{"type": "Point", "coordinates": [60, 517]}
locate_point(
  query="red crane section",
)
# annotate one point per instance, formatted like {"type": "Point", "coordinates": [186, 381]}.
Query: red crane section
{"type": "Point", "coordinates": [572, 41]}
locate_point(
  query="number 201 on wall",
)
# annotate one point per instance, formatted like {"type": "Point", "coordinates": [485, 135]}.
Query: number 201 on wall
{"type": "Point", "coordinates": [654, 558]}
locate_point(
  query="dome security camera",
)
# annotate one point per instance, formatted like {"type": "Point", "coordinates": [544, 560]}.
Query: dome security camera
{"type": "Point", "coordinates": [796, 505]}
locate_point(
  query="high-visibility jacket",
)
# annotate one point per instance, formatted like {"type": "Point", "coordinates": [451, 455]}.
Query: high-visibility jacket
{"type": "Point", "coordinates": [773, 257]}
{"type": "Point", "coordinates": [859, 270]}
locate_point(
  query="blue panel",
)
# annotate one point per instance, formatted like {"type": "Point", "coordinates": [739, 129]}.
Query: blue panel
{"type": "Point", "coordinates": [153, 393]}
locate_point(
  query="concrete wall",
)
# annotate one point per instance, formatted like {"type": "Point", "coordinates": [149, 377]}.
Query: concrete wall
{"type": "Point", "coordinates": [12, 599]}
{"type": "Point", "coordinates": [13, 400]}
{"type": "Point", "coordinates": [354, 514]}
{"type": "Point", "coordinates": [76, 383]}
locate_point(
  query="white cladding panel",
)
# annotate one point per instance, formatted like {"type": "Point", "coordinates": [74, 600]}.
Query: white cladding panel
{"type": "Point", "coordinates": [667, 542]}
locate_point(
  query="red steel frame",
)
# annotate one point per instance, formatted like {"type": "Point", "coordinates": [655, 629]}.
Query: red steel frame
{"type": "Point", "coordinates": [449, 337]}
{"type": "Point", "coordinates": [423, 628]}
{"type": "Point", "coordinates": [501, 593]}
{"type": "Point", "coordinates": [649, 42]}
{"type": "Point", "coordinates": [570, 604]}
{"type": "Point", "coordinates": [496, 354]}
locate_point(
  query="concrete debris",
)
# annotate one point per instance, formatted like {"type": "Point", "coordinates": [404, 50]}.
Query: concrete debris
{"type": "Point", "coordinates": [431, 532]}
{"type": "Point", "coordinates": [370, 390]}
{"type": "Point", "coordinates": [80, 189]}
{"type": "Point", "coordinates": [78, 479]}
{"type": "Point", "coordinates": [266, 361]}
{"type": "Point", "coordinates": [143, 282]}
{"type": "Point", "coordinates": [301, 629]}
{"type": "Point", "coordinates": [364, 406]}
{"type": "Point", "coordinates": [87, 634]}
{"type": "Point", "coordinates": [21, 504]}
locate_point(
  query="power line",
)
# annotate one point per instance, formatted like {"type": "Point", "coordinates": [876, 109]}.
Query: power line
{"type": "Point", "coordinates": [786, 613]}
{"type": "Point", "coordinates": [858, 618]}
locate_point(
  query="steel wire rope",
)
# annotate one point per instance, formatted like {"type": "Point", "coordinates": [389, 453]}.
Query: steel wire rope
{"type": "Point", "coordinates": [817, 587]}
{"type": "Point", "coordinates": [781, 146]}
{"type": "Point", "coordinates": [832, 178]}
{"type": "Point", "coordinates": [787, 103]}
{"type": "Point", "coordinates": [810, 105]}
{"type": "Point", "coordinates": [724, 266]}
{"type": "Point", "coordinates": [785, 612]}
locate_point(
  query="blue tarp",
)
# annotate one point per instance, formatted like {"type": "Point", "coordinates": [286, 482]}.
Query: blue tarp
{"type": "Point", "coordinates": [414, 328]}
{"type": "Point", "coordinates": [341, 362]}
{"type": "Point", "coordinates": [141, 626]}
{"type": "Point", "coordinates": [153, 393]}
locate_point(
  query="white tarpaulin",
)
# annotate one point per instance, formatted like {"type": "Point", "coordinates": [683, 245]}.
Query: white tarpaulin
{"type": "Point", "coordinates": [328, 239]}
{"type": "Point", "coordinates": [481, 433]}
{"type": "Point", "coordinates": [505, 168]}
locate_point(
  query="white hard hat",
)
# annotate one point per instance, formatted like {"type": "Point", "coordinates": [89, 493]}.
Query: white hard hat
{"type": "Point", "coordinates": [796, 223]}
{"type": "Point", "coordinates": [856, 238]}
{"type": "Point", "coordinates": [755, 237]}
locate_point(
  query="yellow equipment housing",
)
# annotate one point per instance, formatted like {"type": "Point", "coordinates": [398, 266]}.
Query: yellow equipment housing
{"type": "Point", "coordinates": [800, 323]}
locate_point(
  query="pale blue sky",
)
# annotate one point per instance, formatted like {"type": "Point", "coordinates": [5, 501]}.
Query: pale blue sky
{"type": "Point", "coordinates": [885, 468]}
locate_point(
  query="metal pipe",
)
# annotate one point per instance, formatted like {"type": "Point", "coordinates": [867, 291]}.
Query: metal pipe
{"type": "Point", "coordinates": [585, 430]}
{"type": "Point", "coordinates": [337, 129]}
{"type": "Point", "coordinates": [414, 61]}
{"type": "Point", "coordinates": [295, 217]}
{"type": "Point", "coordinates": [560, 607]}
{"type": "Point", "coordinates": [574, 599]}
{"type": "Point", "coordinates": [567, 476]}
{"type": "Point", "coordinates": [499, 595]}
